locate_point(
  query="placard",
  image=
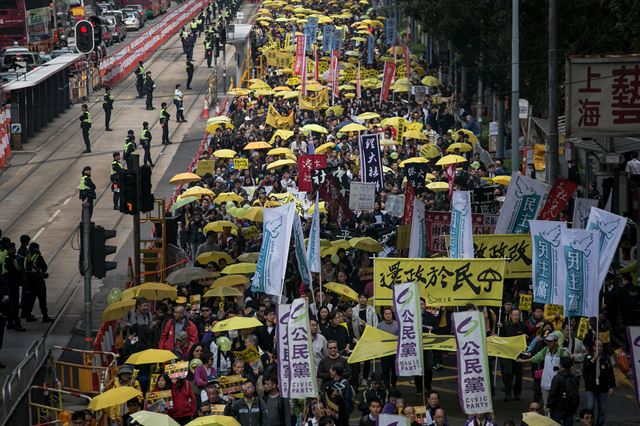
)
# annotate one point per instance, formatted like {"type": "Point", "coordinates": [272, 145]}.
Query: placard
{"type": "Point", "coordinates": [525, 301]}
{"type": "Point", "coordinates": [155, 397]}
{"type": "Point", "coordinates": [395, 205]}
{"type": "Point", "coordinates": [362, 196]}
{"type": "Point", "coordinates": [206, 166]}
{"type": "Point", "coordinates": [241, 163]}
{"type": "Point", "coordinates": [178, 370]}
{"type": "Point", "coordinates": [231, 385]}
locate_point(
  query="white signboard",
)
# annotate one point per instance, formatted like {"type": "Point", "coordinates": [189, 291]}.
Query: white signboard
{"type": "Point", "coordinates": [395, 205]}
{"type": "Point", "coordinates": [362, 195]}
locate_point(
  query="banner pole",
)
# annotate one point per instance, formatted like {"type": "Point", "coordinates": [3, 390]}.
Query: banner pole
{"type": "Point", "coordinates": [495, 367]}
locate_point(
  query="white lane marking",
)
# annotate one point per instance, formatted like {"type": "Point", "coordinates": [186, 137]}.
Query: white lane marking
{"type": "Point", "coordinates": [40, 231]}
{"type": "Point", "coordinates": [56, 213]}
{"type": "Point", "coordinates": [66, 201]}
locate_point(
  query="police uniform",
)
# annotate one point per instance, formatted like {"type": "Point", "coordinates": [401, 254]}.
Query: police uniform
{"type": "Point", "coordinates": [129, 149]}
{"type": "Point", "coordinates": [107, 105]}
{"type": "Point", "coordinates": [164, 122]}
{"type": "Point", "coordinates": [208, 52]}
{"type": "Point", "coordinates": [178, 102]}
{"type": "Point", "coordinates": [87, 192]}
{"type": "Point", "coordinates": [116, 168]}
{"type": "Point", "coordinates": [190, 69]}
{"type": "Point", "coordinates": [145, 143]}
{"type": "Point", "coordinates": [140, 81]}
{"type": "Point", "coordinates": [36, 271]}
{"type": "Point", "coordinates": [149, 87]}
{"type": "Point", "coordinates": [85, 125]}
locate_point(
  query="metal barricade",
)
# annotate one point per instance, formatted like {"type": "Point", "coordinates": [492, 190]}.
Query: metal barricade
{"type": "Point", "coordinates": [46, 404]}
{"type": "Point", "coordinates": [90, 376]}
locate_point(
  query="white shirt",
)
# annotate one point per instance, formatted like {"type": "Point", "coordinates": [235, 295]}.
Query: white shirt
{"type": "Point", "coordinates": [319, 344]}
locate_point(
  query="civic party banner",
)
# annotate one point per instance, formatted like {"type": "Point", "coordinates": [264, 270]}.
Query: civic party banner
{"type": "Point", "coordinates": [306, 165]}
{"type": "Point", "coordinates": [524, 200]}
{"type": "Point", "coordinates": [558, 198]}
{"type": "Point", "coordinates": [418, 241]}
{"type": "Point", "coordinates": [272, 261]}
{"type": "Point", "coordinates": [392, 420]}
{"type": "Point", "coordinates": [370, 161]}
{"type": "Point", "coordinates": [578, 277]}
{"type": "Point", "coordinates": [301, 41]}
{"type": "Point", "coordinates": [388, 73]}
{"type": "Point", "coordinates": [611, 227]}
{"type": "Point", "coordinates": [474, 386]}
{"type": "Point", "coordinates": [302, 377]}
{"type": "Point", "coordinates": [277, 120]}
{"type": "Point", "coordinates": [301, 253]}
{"type": "Point", "coordinates": [545, 237]}
{"type": "Point", "coordinates": [442, 282]}
{"type": "Point", "coordinates": [282, 345]}
{"type": "Point", "coordinates": [633, 334]}
{"type": "Point", "coordinates": [461, 244]}
{"type": "Point", "coordinates": [406, 304]}
{"type": "Point", "coordinates": [581, 210]}
{"type": "Point", "coordinates": [313, 250]}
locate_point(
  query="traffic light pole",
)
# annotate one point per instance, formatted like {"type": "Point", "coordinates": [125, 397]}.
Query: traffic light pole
{"type": "Point", "coordinates": [86, 247]}
{"type": "Point", "coordinates": [136, 221]}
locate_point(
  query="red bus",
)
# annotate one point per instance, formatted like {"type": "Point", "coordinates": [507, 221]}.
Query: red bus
{"type": "Point", "coordinates": [152, 8]}
{"type": "Point", "coordinates": [29, 23]}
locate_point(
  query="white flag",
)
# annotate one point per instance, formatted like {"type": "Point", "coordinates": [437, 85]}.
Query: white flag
{"type": "Point", "coordinates": [523, 202]}
{"type": "Point", "coordinates": [313, 251]}
{"type": "Point", "coordinates": [581, 209]}
{"type": "Point", "coordinates": [282, 342]}
{"type": "Point", "coordinates": [611, 227]}
{"type": "Point", "coordinates": [272, 261]}
{"type": "Point", "coordinates": [545, 250]}
{"type": "Point", "coordinates": [578, 277]}
{"type": "Point", "coordinates": [302, 377]}
{"type": "Point", "coordinates": [406, 302]}
{"type": "Point", "coordinates": [474, 386]}
{"type": "Point", "coordinates": [418, 239]}
{"type": "Point", "coordinates": [461, 245]}
{"type": "Point", "coordinates": [392, 420]}
{"type": "Point", "coordinates": [301, 254]}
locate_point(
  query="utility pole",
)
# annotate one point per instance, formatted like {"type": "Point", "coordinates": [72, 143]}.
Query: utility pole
{"type": "Point", "coordinates": [86, 267]}
{"type": "Point", "coordinates": [500, 142]}
{"type": "Point", "coordinates": [515, 85]}
{"type": "Point", "coordinates": [552, 156]}
{"type": "Point", "coordinates": [136, 220]}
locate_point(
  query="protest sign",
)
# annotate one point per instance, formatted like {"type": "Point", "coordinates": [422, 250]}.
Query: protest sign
{"type": "Point", "coordinates": [403, 236]}
{"type": "Point", "coordinates": [306, 165]}
{"type": "Point", "coordinates": [392, 420]}
{"type": "Point", "coordinates": [205, 166]}
{"type": "Point", "coordinates": [388, 73]}
{"type": "Point", "coordinates": [546, 253]}
{"type": "Point", "coordinates": [483, 200]}
{"type": "Point", "coordinates": [418, 242]}
{"type": "Point", "coordinates": [583, 327]}
{"type": "Point", "coordinates": [313, 249]}
{"type": "Point", "coordinates": [438, 224]}
{"type": "Point", "coordinates": [302, 376]}
{"type": "Point", "coordinates": [218, 409]}
{"type": "Point", "coordinates": [461, 242]}
{"type": "Point", "coordinates": [523, 202]}
{"type": "Point", "coordinates": [362, 196]}
{"type": "Point", "coordinates": [417, 175]}
{"type": "Point", "coordinates": [241, 163]}
{"type": "Point", "coordinates": [442, 282]}
{"type": "Point", "coordinates": [301, 252]}
{"type": "Point", "coordinates": [315, 102]}
{"type": "Point", "coordinates": [409, 198]}
{"type": "Point", "coordinates": [153, 398]}
{"type": "Point", "coordinates": [370, 161]}
{"type": "Point", "coordinates": [516, 248]}
{"type": "Point", "coordinates": [248, 355]}
{"type": "Point", "coordinates": [406, 303]}
{"type": "Point", "coordinates": [327, 38]}
{"type": "Point", "coordinates": [610, 227]}
{"type": "Point", "coordinates": [559, 196]}
{"type": "Point", "coordinates": [395, 205]}
{"type": "Point", "coordinates": [231, 385]}
{"type": "Point", "coordinates": [194, 301]}
{"type": "Point", "coordinates": [277, 120]}
{"type": "Point", "coordinates": [301, 41]}
{"type": "Point", "coordinates": [581, 210]}
{"type": "Point", "coordinates": [179, 370]}
{"type": "Point", "coordinates": [474, 385]}
{"type": "Point", "coordinates": [524, 302]}
{"type": "Point", "coordinates": [282, 345]}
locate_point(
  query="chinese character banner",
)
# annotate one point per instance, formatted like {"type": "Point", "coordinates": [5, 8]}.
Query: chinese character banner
{"type": "Point", "coordinates": [302, 377]}
{"type": "Point", "coordinates": [461, 242]}
{"type": "Point", "coordinates": [418, 241]}
{"type": "Point", "coordinates": [545, 237]}
{"type": "Point", "coordinates": [282, 346]}
{"type": "Point", "coordinates": [406, 303]}
{"type": "Point", "coordinates": [611, 227]}
{"type": "Point", "coordinates": [523, 202]}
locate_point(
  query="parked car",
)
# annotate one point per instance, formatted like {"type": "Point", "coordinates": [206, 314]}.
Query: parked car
{"type": "Point", "coordinates": [20, 56]}
{"type": "Point", "coordinates": [116, 29]}
{"type": "Point", "coordinates": [137, 14]}
{"type": "Point", "coordinates": [131, 21]}
{"type": "Point", "coordinates": [139, 9]}
{"type": "Point", "coordinates": [120, 18]}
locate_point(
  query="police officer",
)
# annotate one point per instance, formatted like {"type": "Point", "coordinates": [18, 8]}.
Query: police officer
{"type": "Point", "coordinates": [107, 106]}
{"type": "Point", "coordinates": [208, 51]}
{"type": "Point", "coordinates": [183, 39]}
{"type": "Point", "coordinates": [145, 143]}
{"type": "Point", "coordinates": [178, 102]}
{"type": "Point", "coordinates": [193, 25]}
{"type": "Point", "coordinates": [164, 122]}
{"type": "Point", "coordinates": [140, 80]}
{"type": "Point", "coordinates": [190, 69]}
{"type": "Point", "coordinates": [129, 149]}
{"type": "Point", "coordinates": [87, 189]}
{"type": "Point", "coordinates": [149, 87]}
{"type": "Point", "coordinates": [191, 42]}
{"type": "Point", "coordinates": [11, 285]}
{"type": "Point", "coordinates": [36, 272]}
{"type": "Point", "coordinates": [85, 125]}
{"type": "Point", "coordinates": [116, 168]}
{"type": "Point", "coordinates": [200, 23]}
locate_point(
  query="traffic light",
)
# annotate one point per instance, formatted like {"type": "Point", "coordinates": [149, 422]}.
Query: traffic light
{"type": "Point", "coordinates": [146, 198]}
{"type": "Point", "coordinates": [97, 30]}
{"type": "Point", "coordinates": [84, 37]}
{"type": "Point", "coordinates": [100, 250]}
{"type": "Point", "coordinates": [126, 181]}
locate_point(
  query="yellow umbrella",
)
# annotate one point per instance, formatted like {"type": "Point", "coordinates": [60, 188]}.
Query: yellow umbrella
{"type": "Point", "coordinates": [224, 153]}
{"type": "Point", "coordinates": [349, 95]}
{"type": "Point", "coordinates": [281, 163]}
{"type": "Point", "coordinates": [284, 134]}
{"type": "Point", "coordinates": [414, 134]}
{"type": "Point", "coordinates": [240, 268]}
{"type": "Point", "coordinates": [150, 418]}
{"type": "Point", "coordinates": [113, 397]}
{"type": "Point", "coordinates": [197, 191]}
{"type": "Point", "coordinates": [251, 257]}
{"type": "Point", "coordinates": [400, 88]}
{"type": "Point", "coordinates": [368, 116]}
{"type": "Point", "coordinates": [256, 145]}
{"type": "Point", "coordinates": [321, 206]}
{"type": "Point", "coordinates": [238, 91]}
{"type": "Point", "coordinates": [218, 226]}
{"type": "Point", "coordinates": [460, 146]}
{"type": "Point", "coordinates": [450, 159]}
{"type": "Point", "coordinates": [502, 180]}
{"type": "Point", "coordinates": [214, 421]}
{"type": "Point", "coordinates": [118, 309]}
{"type": "Point", "coordinates": [414, 160]}
{"type": "Point", "coordinates": [430, 176]}
{"type": "Point", "coordinates": [438, 186]}
{"type": "Point", "coordinates": [325, 147]}
{"type": "Point", "coordinates": [182, 178]}
{"type": "Point", "coordinates": [472, 138]}
{"type": "Point", "coordinates": [214, 257]}
{"type": "Point", "coordinates": [290, 95]}
{"type": "Point", "coordinates": [230, 280]}
{"type": "Point", "coordinates": [236, 323]}
{"type": "Point", "coordinates": [225, 197]}
{"type": "Point", "coordinates": [353, 127]}
{"type": "Point", "coordinates": [219, 119]}
{"type": "Point", "coordinates": [536, 419]}
{"type": "Point", "coordinates": [279, 151]}
{"type": "Point", "coordinates": [341, 244]}
{"type": "Point", "coordinates": [393, 121]}
{"type": "Point", "coordinates": [223, 292]}
{"type": "Point", "coordinates": [281, 89]}
{"type": "Point", "coordinates": [430, 81]}
{"type": "Point", "coordinates": [346, 87]}
{"type": "Point", "coordinates": [259, 84]}
{"type": "Point", "coordinates": [323, 242]}
{"type": "Point", "coordinates": [314, 128]}
{"type": "Point", "coordinates": [254, 214]}
{"type": "Point", "coordinates": [211, 127]}
{"type": "Point", "coordinates": [264, 92]}
{"type": "Point", "coordinates": [151, 356]}
{"type": "Point", "coordinates": [430, 151]}
{"type": "Point", "coordinates": [151, 291]}
{"type": "Point", "coordinates": [366, 244]}
{"type": "Point", "coordinates": [336, 109]}
{"type": "Point", "coordinates": [342, 290]}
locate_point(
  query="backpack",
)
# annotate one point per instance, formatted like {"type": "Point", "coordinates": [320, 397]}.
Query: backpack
{"type": "Point", "coordinates": [569, 398]}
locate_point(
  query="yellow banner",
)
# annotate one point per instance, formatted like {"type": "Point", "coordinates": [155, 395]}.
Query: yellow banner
{"type": "Point", "coordinates": [525, 302]}
{"type": "Point", "coordinates": [443, 282]}
{"type": "Point", "coordinates": [315, 102]}
{"type": "Point", "coordinates": [277, 120]}
{"type": "Point", "coordinates": [278, 58]}
{"type": "Point", "coordinates": [248, 355]}
{"type": "Point", "coordinates": [375, 343]}
{"type": "Point", "coordinates": [205, 166]}
{"type": "Point", "coordinates": [241, 163]}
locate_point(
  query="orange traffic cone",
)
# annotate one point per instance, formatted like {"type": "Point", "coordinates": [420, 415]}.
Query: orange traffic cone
{"type": "Point", "coordinates": [205, 109]}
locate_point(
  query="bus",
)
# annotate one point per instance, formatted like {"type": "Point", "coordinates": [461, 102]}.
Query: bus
{"type": "Point", "coordinates": [152, 8]}
{"type": "Point", "coordinates": [30, 23]}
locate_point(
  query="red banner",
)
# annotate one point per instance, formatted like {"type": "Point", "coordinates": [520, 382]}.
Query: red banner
{"type": "Point", "coordinates": [407, 60]}
{"type": "Point", "coordinates": [304, 75]}
{"type": "Point", "coordinates": [559, 196]}
{"type": "Point", "coordinates": [389, 72]}
{"type": "Point", "coordinates": [301, 42]}
{"type": "Point", "coordinates": [438, 224]}
{"type": "Point", "coordinates": [334, 72]}
{"type": "Point", "coordinates": [306, 165]}
{"type": "Point", "coordinates": [409, 197]}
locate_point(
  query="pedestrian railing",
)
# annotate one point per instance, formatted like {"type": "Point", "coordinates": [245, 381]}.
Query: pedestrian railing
{"type": "Point", "coordinates": [90, 377]}
{"type": "Point", "coordinates": [46, 404]}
